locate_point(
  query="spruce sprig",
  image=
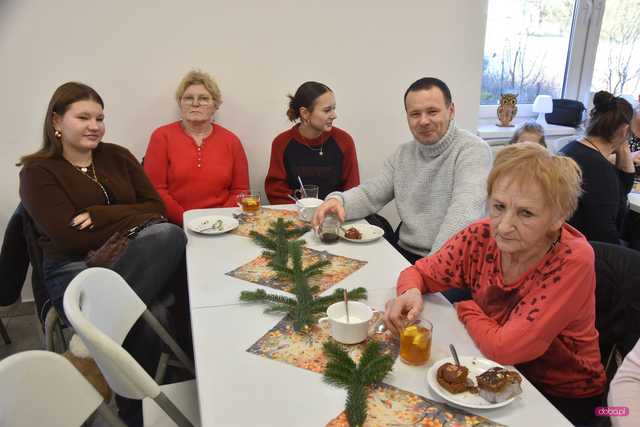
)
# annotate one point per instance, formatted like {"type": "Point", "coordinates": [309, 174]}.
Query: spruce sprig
{"type": "Point", "coordinates": [304, 307]}
{"type": "Point", "coordinates": [342, 371]}
{"type": "Point", "coordinates": [277, 239]}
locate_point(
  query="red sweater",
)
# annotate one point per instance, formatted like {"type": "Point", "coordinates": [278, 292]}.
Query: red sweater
{"type": "Point", "coordinates": [192, 177]}
{"type": "Point", "coordinates": [293, 155]}
{"type": "Point", "coordinates": [544, 321]}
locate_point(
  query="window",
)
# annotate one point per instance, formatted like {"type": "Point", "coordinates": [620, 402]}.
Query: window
{"type": "Point", "coordinates": [549, 47]}
{"type": "Point", "coordinates": [617, 66]}
{"type": "Point", "coordinates": [526, 49]}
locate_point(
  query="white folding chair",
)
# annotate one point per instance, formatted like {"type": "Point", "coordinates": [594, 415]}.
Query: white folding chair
{"type": "Point", "coordinates": [102, 309]}
{"type": "Point", "coordinates": [41, 388]}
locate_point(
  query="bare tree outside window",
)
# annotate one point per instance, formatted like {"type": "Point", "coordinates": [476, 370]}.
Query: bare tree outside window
{"type": "Point", "coordinates": [617, 68]}
{"type": "Point", "coordinates": [526, 48]}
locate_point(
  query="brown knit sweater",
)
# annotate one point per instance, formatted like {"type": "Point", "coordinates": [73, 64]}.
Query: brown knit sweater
{"type": "Point", "coordinates": [54, 192]}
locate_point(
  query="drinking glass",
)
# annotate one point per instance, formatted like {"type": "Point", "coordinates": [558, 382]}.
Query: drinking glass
{"type": "Point", "coordinates": [307, 191]}
{"type": "Point", "coordinates": [328, 231]}
{"type": "Point", "coordinates": [415, 342]}
{"type": "Point", "coordinates": [249, 203]}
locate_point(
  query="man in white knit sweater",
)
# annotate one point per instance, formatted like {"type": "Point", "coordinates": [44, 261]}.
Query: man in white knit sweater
{"type": "Point", "coordinates": [438, 179]}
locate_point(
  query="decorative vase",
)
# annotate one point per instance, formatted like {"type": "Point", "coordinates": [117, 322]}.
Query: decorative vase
{"type": "Point", "coordinates": [507, 109]}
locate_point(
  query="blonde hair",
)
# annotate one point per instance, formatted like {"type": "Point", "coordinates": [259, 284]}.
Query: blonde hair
{"type": "Point", "coordinates": [197, 77]}
{"type": "Point", "coordinates": [559, 177]}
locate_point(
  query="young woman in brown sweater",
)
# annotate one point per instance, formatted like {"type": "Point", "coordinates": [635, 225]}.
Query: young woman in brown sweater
{"type": "Point", "coordinates": [85, 196]}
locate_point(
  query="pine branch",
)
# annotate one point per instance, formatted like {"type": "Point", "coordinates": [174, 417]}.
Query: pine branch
{"type": "Point", "coordinates": [336, 354]}
{"type": "Point", "coordinates": [263, 241]}
{"type": "Point", "coordinates": [337, 295]}
{"type": "Point", "coordinates": [376, 370]}
{"type": "Point", "coordinates": [356, 406]}
{"type": "Point", "coordinates": [261, 296]}
{"type": "Point", "coordinates": [341, 371]}
{"type": "Point", "coordinates": [315, 268]}
{"type": "Point", "coordinates": [371, 351]}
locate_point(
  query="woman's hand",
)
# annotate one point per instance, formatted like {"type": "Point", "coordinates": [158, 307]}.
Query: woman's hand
{"type": "Point", "coordinates": [333, 206]}
{"type": "Point", "coordinates": [402, 310]}
{"type": "Point", "coordinates": [82, 221]}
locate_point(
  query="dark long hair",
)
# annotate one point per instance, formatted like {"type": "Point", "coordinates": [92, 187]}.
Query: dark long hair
{"type": "Point", "coordinates": [305, 96]}
{"type": "Point", "coordinates": [61, 99]}
{"type": "Point", "coordinates": [608, 114]}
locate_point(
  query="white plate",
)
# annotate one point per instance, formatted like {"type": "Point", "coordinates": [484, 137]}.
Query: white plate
{"type": "Point", "coordinates": [369, 232]}
{"type": "Point", "coordinates": [203, 224]}
{"type": "Point", "coordinates": [476, 366]}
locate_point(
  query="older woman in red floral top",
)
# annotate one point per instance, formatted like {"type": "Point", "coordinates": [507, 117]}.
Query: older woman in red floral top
{"type": "Point", "coordinates": [531, 277]}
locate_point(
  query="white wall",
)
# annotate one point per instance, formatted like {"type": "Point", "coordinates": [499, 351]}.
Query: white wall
{"type": "Point", "coordinates": [135, 52]}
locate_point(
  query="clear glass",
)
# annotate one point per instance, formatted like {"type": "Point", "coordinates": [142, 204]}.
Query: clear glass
{"type": "Point", "coordinates": [526, 49]}
{"type": "Point", "coordinates": [617, 67]}
{"type": "Point", "coordinates": [328, 231]}
{"type": "Point", "coordinates": [415, 342]}
{"type": "Point", "coordinates": [249, 203]}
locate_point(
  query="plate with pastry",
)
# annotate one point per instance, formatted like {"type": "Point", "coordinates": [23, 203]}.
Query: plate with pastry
{"type": "Point", "coordinates": [477, 383]}
{"type": "Point", "coordinates": [361, 233]}
{"type": "Point", "coordinates": [214, 224]}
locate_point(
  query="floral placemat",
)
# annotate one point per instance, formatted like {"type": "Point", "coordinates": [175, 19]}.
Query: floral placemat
{"type": "Point", "coordinates": [263, 220]}
{"type": "Point", "coordinates": [390, 406]}
{"type": "Point", "coordinates": [257, 271]}
{"type": "Point", "coordinates": [304, 350]}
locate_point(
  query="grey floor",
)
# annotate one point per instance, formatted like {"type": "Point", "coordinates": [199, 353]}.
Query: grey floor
{"type": "Point", "coordinates": [25, 333]}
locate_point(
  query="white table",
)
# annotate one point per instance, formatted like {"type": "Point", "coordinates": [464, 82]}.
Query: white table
{"type": "Point", "coordinates": [634, 202]}
{"type": "Point", "coordinates": [237, 388]}
{"type": "Point", "coordinates": [210, 257]}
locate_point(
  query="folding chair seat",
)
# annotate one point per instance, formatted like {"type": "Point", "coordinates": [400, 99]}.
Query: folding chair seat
{"type": "Point", "coordinates": [102, 309]}
{"type": "Point", "coordinates": [41, 388]}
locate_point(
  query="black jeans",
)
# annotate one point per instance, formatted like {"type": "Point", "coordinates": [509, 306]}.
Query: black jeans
{"type": "Point", "coordinates": [153, 265]}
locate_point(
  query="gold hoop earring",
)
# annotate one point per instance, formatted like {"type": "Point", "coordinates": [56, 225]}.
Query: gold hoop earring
{"type": "Point", "coordinates": [58, 134]}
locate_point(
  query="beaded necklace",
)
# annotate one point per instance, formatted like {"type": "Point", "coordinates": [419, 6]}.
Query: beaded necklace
{"type": "Point", "coordinates": [84, 170]}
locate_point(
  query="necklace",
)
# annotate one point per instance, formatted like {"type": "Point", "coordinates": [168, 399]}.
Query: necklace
{"type": "Point", "coordinates": [594, 146]}
{"type": "Point", "coordinates": [317, 150]}
{"type": "Point", "coordinates": [84, 170]}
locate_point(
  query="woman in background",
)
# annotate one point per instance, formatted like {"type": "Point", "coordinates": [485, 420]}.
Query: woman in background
{"type": "Point", "coordinates": [313, 149]}
{"type": "Point", "coordinates": [529, 132]}
{"type": "Point", "coordinates": [193, 162]}
{"type": "Point", "coordinates": [93, 205]}
{"type": "Point", "coordinates": [602, 208]}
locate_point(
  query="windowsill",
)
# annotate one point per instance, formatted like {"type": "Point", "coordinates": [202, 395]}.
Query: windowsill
{"type": "Point", "coordinates": [489, 131]}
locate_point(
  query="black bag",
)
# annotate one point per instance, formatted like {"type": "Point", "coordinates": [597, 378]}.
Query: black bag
{"type": "Point", "coordinates": [566, 112]}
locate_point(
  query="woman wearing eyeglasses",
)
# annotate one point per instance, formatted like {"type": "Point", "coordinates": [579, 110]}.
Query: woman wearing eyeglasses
{"type": "Point", "coordinates": [193, 162]}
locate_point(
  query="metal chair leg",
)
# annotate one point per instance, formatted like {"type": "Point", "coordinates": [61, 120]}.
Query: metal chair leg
{"type": "Point", "coordinates": [169, 341]}
{"type": "Point", "coordinates": [4, 333]}
{"type": "Point", "coordinates": [172, 411]}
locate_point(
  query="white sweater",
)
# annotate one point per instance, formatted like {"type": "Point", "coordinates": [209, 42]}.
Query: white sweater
{"type": "Point", "coordinates": [625, 389]}
{"type": "Point", "coordinates": [438, 188]}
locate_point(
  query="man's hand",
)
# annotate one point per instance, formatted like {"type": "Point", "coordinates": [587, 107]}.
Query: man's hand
{"type": "Point", "coordinates": [82, 221]}
{"type": "Point", "coordinates": [107, 254]}
{"type": "Point", "coordinates": [330, 206]}
{"type": "Point", "coordinates": [402, 310]}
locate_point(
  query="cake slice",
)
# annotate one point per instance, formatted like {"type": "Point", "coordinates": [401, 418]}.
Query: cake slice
{"type": "Point", "coordinates": [453, 377]}
{"type": "Point", "coordinates": [498, 384]}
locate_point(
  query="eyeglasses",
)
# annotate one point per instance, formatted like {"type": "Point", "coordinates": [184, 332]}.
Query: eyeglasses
{"type": "Point", "coordinates": [201, 100]}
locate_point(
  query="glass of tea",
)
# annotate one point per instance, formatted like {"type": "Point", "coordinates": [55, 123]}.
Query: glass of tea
{"type": "Point", "coordinates": [415, 342]}
{"type": "Point", "coordinates": [328, 231]}
{"type": "Point", "coordinates": [249, 203]}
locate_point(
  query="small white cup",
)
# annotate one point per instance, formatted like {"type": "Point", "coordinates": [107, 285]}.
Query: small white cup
{"type": "Point", "coordinates": [307, 207]}
{"type": "Point", "coordinates": [356, 330]}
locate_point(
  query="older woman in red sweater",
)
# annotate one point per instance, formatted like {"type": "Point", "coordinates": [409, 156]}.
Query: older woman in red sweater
{"type": "Point", "coordinates": [531, 277]}
{"type": "Point", "coordinates": [193, 162]}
